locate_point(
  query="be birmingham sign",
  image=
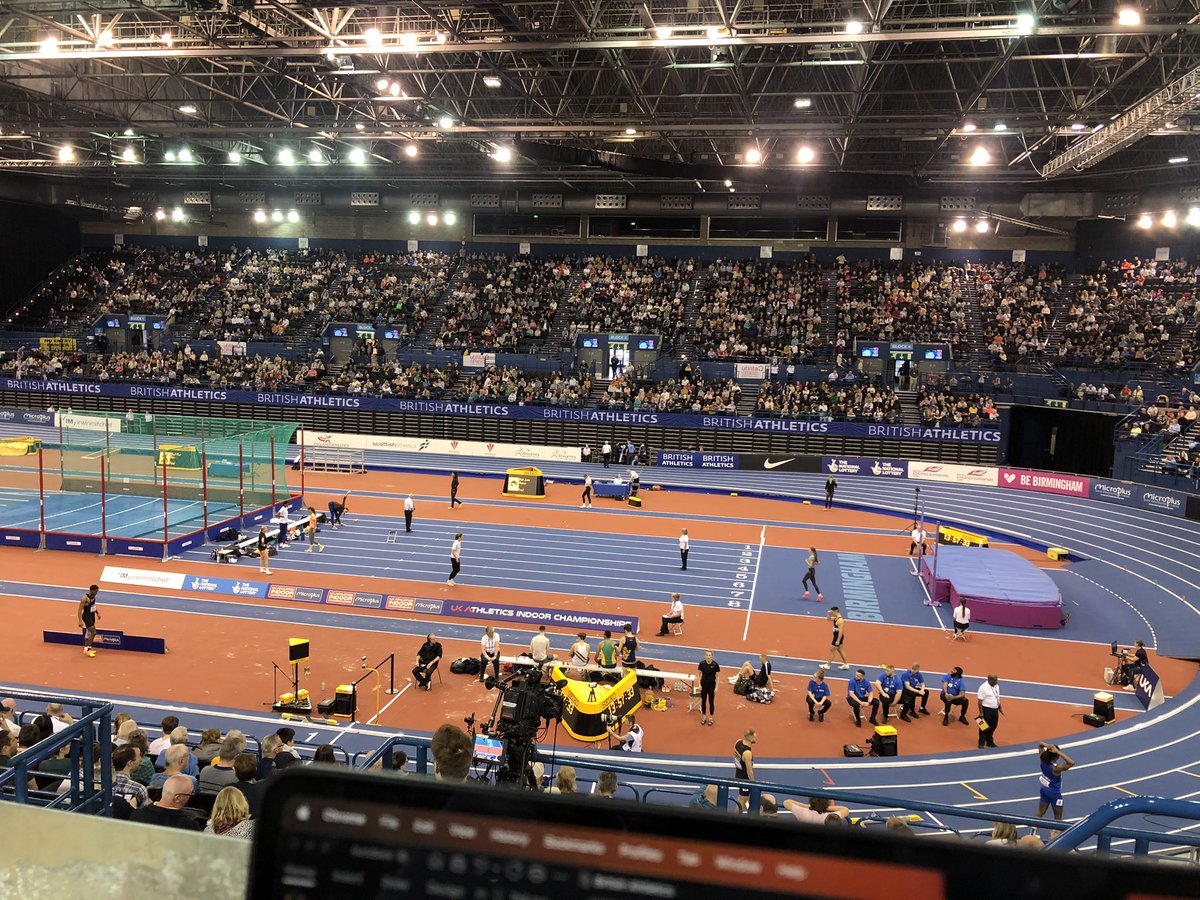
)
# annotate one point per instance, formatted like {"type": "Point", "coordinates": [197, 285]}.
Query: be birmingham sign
{"type": "Point", "coordinates": [506, 411]}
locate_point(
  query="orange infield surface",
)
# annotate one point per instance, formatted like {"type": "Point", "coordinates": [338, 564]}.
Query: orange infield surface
{"type": "Point", "coordinates": [227, 661]}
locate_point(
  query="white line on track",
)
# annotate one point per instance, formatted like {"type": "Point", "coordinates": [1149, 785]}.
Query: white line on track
{"type": "Point", "coordinates": [762, 540]}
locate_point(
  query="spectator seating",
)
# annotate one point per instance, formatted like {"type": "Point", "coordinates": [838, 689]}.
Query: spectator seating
{"type": "Point", "coordinates": [504, 303]}
{"type": "Point", "coordinates": [640, 296]}
{"type": "Point", "coordinates": [760, 309]}
{"type": "Point", "coordinates": [1015, 307]}
{"type": "Point", "coordinates": [901, 302]}
{"type": "Point", "coordinates": [828, 401]}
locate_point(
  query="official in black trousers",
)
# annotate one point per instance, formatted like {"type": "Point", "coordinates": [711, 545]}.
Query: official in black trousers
{"type": "Point", "coordinates": [454, 490]}
{"type": "Point", "coordinates": [409, 506]}
{"type": "Point", "coordinates": [830, 487]}
{"type": "Point", "coordinates": [683, 550]}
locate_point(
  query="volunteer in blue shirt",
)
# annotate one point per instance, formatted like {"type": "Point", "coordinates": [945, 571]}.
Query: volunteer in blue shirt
{"type": "Point", "coordinates": [953, 695]}
{"type": "Point", "coordinates": [818, 696]}
{"type": "Point", "coordinates": [860, 694]}
{"type": "Point", "coordinates": [887, 689]}
{"type": "Point", "coordinates": [1053, 763]}
{"type": "Point", "coordinates": [912, 684]}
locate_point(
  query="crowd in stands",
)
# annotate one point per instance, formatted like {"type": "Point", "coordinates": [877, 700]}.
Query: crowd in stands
{"type": "Point", "coordinates": [900, 302]}
{"type": "Point", "coordinates": [510, 385]}
{"type": "Point", "coordinates": [828, 401]}
{"type": "Point", "coordinates": [394, 379]}
{"type": "Point", "coordinates": [640, 296]}
{"type": "Point", "coordinates": [71, 291]}
{"type": "Point", "coordinates": [181, 366]}
{"type": "Point", "coordinates": [1162, 416]}
{"type": "Point", "coordinates": [760, 309]}
{"type": "Point", "coordinates": [1127, 313]}
{"type": "Point", "coordinates": [504, 303]}
{"type": "Point", "coordinates": [687, 394]}
{"type": "Point", "coordinates": [1016, 308]}
{"type": "Point", "coordinates": [393, 291]}
{"type": "Point", "coordinates": [946, 407]}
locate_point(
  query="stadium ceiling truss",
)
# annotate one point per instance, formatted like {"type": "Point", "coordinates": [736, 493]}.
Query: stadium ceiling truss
{"type": "Point", "coordinates": [590, 93]}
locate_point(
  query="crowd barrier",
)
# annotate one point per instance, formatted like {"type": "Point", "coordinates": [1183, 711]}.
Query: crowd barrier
{"type": "Point", "coordinates": [602, 417]}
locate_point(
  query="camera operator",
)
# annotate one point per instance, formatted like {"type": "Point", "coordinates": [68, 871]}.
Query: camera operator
{"type": "Point", "coordinates": [1132, 660]}
{"type": "Point", "coordinates": [631, 740]}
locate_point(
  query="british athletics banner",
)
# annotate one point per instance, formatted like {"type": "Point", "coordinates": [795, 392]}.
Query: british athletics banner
{"type": "Point", "coordinates": [506, 411]}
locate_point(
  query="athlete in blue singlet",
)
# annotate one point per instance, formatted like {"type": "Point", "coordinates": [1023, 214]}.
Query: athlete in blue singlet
{"type": "Point", "coordinates": [1053, 763]}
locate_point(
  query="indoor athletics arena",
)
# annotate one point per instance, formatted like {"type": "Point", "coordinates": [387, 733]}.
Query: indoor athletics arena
{"type": "Point", "coordinates": [565, 450]}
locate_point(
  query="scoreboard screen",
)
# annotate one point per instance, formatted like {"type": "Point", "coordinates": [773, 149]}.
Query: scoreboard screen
{"type": "Point", "coordinates": [524, 482]}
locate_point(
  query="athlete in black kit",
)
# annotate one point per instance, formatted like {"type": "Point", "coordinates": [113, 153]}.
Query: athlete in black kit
{"type": "Point", "coordinates": [336, 510]}
{"type": "Point", "coordinates": [87, 615]}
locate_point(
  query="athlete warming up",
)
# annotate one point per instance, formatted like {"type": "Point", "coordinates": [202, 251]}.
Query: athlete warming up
{"type": "Point", "coordinates": [1053, 763]}
{"type": "Point", "coordinates": [810, 577]}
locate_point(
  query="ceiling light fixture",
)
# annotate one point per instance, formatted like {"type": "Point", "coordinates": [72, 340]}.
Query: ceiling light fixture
{"type": "Point", "coordinates": [1177, 160]}
{"type": "Point", "coordinates": [276, 215]}
{"type": "Point", "coordinates": [128, 132]}
{"type": "Point", "coordinates": [502, 155]}
{"type": "Point", "coordinates": [66, 153]}
{"type": "Point", "coordinates": [359, 126]}
{"type": "Point", "coordinates": [1077, 126]}
{"type": "Point", "coordinates": [185, 155]}
{"type": "Point", "coordinates": [753, 156]}
{"type": "Point", "coordinates": [1129, 16]}
{"type": "Point", "coordinates": [168, 38]}
{"type": "Point", "coordinates": [981, 226]}
{"type": "Point", "coordinates": [49, 47]}
{"type": "Point", "coordinates": [728, 183]}
{"type": "Point", "coordinates": [408, 39]}
{"type": "Point", "coordinates": [129, 154]}
{"type": "Point", "coordinates": [160, 214]}
{"type": "Point", "coordinates": [1193, 216]}
{"type": "Point", "coordinates": [450, 218]}
{"type": "Point", "coordinates": [394, 90]}
{"type": "Point", "coordinates": [315, 157]}
{"type": "Point", "coordinates": [410, 150]}
{"type": "Point", "coordinates": [104, 38]}
{"type": "Point", "coordinates": [1144, 221]}
{"type": "Point", "coordinates": [805, 155]}
{"type": "Point", "coordinates": [293, 216]}
{"type": "Point", "coordinates": [802, 103]}
{"type": "Point", "coordinates": [1169, 219]}
{"type": "Point", "coordinates": [358, 156]}
{"type": "Point", "coordinates": [382, 85]}
{"type": "Point", "coordinates": [854, 27]}
{"type": "Point", "coordinates": [999, 126]}
{"type": "Point", "coordinates": [492, 81]}
{"type": "Point", "coordinates": [188, 109]}
{"type": "Point", "coordinates": [414, 218]}
{"type": "Point", "coordinates": [967, 127]}
{"type": "Point", "coordinates": [373, 38]}
{"type": "Point", "coordinates": [439, 37]}
{"type": "Point", "coordinates": [714, 32]}
{"type": "Point", "coordinates": [631, 131]}
{"type": "Point", "coordinates": [445, 122]}
{"type": "Point", "coordinates": [663, 32]}
{"type": "Point", "coordinates": [959, 226]}
{"type": "Point", "coordinates": [234, 157]}
{"type": "Point", "coordinates": [1026, 23]}
{"type": "Point", "coordinates": [287, 157]}
{"type": "Point", "coordinates": [177, 215]}
{"type": "Point", "coordinates": [260, 216]}
{"type": "Point", "coordinates": [432, 218]}
{"type": "Point", "coordinates": [169, 156]}
{"type": "Point", "coordinates": [980, 157]}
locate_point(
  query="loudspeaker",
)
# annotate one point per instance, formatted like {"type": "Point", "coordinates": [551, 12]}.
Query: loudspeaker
{"type": "Point", "coordinates": [1103, 706]}
{"type": "Point", "coordinates": [1094, 720]}
{"type": "Point", "coordinates": [635, 502]}
{"type": "Point", "coordinates": [344, 701]}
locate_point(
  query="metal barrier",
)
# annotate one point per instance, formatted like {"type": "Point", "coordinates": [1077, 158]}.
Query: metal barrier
{"type": "Point", "coordinates": [1095, 826]}
{"type": "Point", "coordinates": [93, 725]}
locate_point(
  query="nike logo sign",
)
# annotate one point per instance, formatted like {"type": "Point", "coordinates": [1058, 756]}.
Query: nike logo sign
{"type": "Point", "coordinates": [768, 464]}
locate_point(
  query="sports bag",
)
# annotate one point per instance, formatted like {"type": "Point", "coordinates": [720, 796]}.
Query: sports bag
{"type": "Point", "coordinates": [465, 665]}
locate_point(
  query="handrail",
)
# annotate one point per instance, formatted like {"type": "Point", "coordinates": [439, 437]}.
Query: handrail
{"type": "Point", "coordinates": [95, 722]}
{"type": "Point", "coordinates": [1097, 821]}
{"type": "Point", "coordinates": [727, 788]}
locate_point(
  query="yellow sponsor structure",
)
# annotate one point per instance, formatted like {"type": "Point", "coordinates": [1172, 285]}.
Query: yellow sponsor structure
{"type": "Point", "coordinates": [19, 446]}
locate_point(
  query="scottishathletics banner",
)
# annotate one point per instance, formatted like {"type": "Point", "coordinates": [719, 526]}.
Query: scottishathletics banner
{"type": "Point", "coordinates": [949, 473]}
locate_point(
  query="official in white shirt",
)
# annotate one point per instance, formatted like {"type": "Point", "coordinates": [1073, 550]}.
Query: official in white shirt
{"type": "Point", "coordinates": [918, 541]}
{"type": "Point", "coordinates": [962, 620]}
{"type": "Point", "coordinates": [281, 519]}
{"type": "Point", "coordinates": [489, 652]}
{"type": "Point", "coordinates": [683, 550]}
{"type": "Point", "coordinates": [990, 709]}
{"type": "Point", "coordinates": [675, 616]}
{"type": "Point", "coordinates": [606, 453]}
{"type": "Point", "coordinates": [409, 506]}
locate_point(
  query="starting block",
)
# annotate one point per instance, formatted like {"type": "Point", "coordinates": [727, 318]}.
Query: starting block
{"type": "Point", "coordinates": [108, 640]}
{"type": "Point", "coordinates": [1058, 553]}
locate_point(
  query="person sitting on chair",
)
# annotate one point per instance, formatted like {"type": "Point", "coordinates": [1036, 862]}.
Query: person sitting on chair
{"type": "Point", "coordinates": [428, 658]}
{"type": "Point", "coordinates": [674, 617]}
{"type": "Point", "coordinates": [953, 695]}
